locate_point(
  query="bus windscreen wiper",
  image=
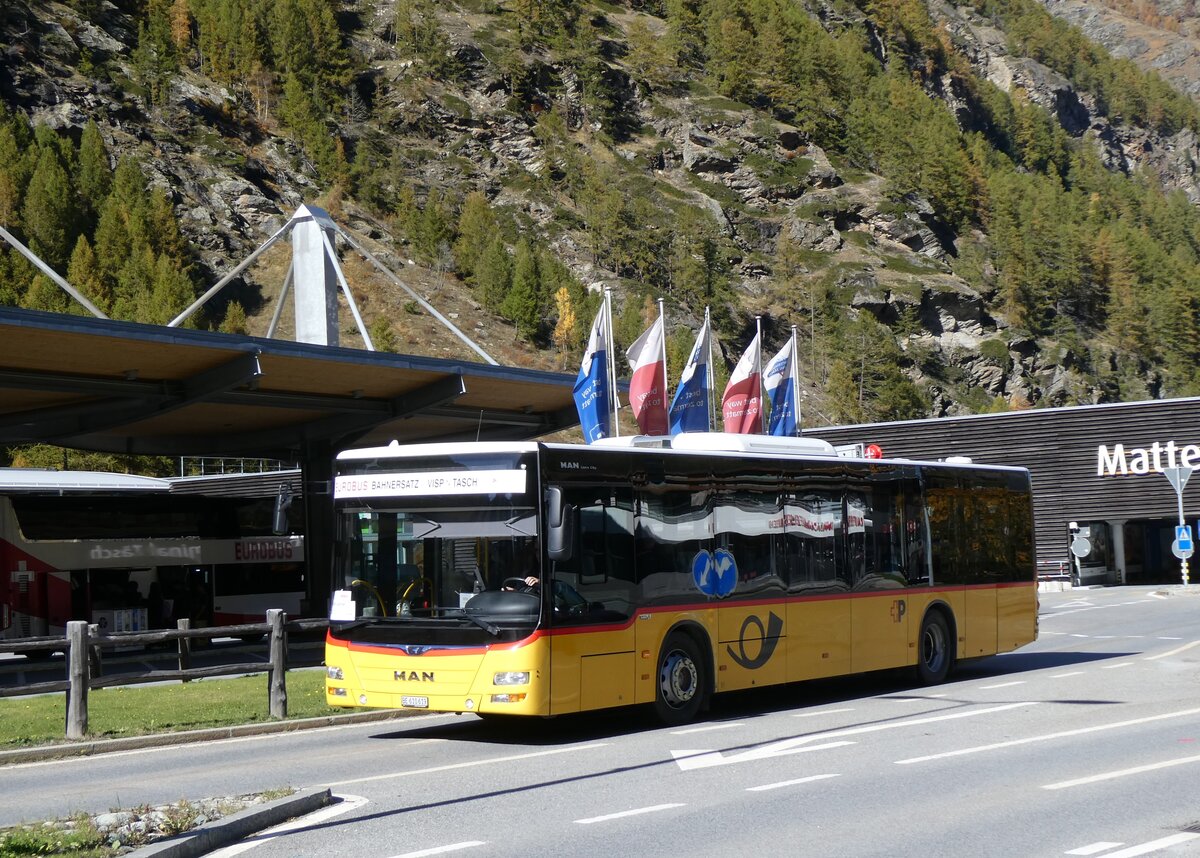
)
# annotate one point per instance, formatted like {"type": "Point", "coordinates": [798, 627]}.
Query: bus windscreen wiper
{"type": "Point", "coordinates": [492, 630]}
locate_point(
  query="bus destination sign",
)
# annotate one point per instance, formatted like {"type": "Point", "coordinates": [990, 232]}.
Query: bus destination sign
{"type": "Point", "coordinates": [414, 483]}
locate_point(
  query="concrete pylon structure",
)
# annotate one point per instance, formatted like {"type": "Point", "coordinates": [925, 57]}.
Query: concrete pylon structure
{"type": "Point", "coordinates": [315, 277]}
{"type": "Point", "coordinates": [313, 272]}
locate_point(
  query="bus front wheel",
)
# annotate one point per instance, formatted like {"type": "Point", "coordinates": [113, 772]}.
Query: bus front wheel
{"type": "Point", "coordinates": [682, 685]}
{"type": "Point", "coordinates": [934, 657]}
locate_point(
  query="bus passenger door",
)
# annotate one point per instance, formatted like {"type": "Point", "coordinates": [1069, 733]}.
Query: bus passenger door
{"type": "Point", "coordinates": [593, 603]}
{"type": "Point", "coordinates": [879, 606]}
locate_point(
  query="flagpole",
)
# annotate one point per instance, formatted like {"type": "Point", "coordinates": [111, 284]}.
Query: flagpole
{"type": "Point", "coordinates": [758, 361]}
{"type": "Point", "coordinates": [666, 402]}
{"type": "Point", "coordinates": [708, 372]}
{"type": "Point", "coordinates": [795, 382]}
{"type": "Point", "coordinates": [612, 363]}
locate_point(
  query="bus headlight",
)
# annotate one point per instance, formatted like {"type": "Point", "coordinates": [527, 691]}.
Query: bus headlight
{"type": "Point", "coordinates": [511, 677]}
{"type": "Point", "coordinates": [334, 673]}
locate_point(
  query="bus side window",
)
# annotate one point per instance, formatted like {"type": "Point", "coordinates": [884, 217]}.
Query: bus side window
{"type": "Point", "coordinates": [601, 570]}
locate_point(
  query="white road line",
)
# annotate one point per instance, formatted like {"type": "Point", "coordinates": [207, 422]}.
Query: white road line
{"type": "Point", "coordinates": [1115, 666]}
{"type": "Point", "coordinates": [467, 765]}
{"type": "Point", "coordinates": [1080, 636]}
{"type": "Point", "coordinates": [707, 728]}
{"type": "Point", "coordinates": [1161, 638]}
{"type": "Point", "coordinates": [806, 780]}
{"type": "Point", "coordinates": [821, 712]}
{"type": "Point", "coordinates": [1065, 675]}
{"type": "Point", "coordinates": [1030, 739]}
{"type": "Point", "coordinates": [1154, 845]}
{"type": "Point", "coordinates": [1001, 685]}
{"type": "Point", "coordinates": [442, 850]}
{"type": "Point", "coordinates": [702, 759]}
{"type": "Point", "coordinates": [1108, 776]}
{"type": "Point", "coordinates": [1175, 651]}
{"type": "Point", "coordinates": [347, 804]}
{"type": "Point", "coordinates": [635, 812]}
{"type": "Point", "coordinates": [1093, 848]}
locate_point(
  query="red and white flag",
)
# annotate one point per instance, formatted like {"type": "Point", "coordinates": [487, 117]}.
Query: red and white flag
{"type": "Point", "coordinates": [741, 406]}
{"type": "Point", "coordinates": [647, 389]}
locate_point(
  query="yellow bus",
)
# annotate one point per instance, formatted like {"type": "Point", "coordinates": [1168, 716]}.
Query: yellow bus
{"type": "Point", "coordinates": [544, 579]}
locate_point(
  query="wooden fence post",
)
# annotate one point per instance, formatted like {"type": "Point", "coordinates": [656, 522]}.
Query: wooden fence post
{"type": "Point", "coordinates": [277, 678]}
{"type": "Point", "coordinates": [94, 654]}
{"type": "Point", "coordinates": [77, 675]}
{"type": "Point", "coordinates": [185, 646]}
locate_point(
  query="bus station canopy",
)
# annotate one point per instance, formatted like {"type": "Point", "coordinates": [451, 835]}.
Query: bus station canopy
{"type": "Point", "coordinates": [121, 387]}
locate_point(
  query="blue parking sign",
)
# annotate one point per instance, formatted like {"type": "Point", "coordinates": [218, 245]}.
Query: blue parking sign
{"type": "Point", "coordinates": [1183, 536]}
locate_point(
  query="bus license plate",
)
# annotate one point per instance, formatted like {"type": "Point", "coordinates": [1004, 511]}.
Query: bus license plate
{"type": "Point", "coordinates": [415, 702]}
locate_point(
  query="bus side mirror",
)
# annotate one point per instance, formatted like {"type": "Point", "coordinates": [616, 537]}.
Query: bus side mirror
{"type": "Point", "coordinates": [560, 526]}
{"type": "Point", "coordinates": [279, 518]}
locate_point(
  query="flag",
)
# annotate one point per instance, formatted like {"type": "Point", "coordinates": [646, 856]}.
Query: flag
{"type": "Point", "coordinates": [779, 380]}
{"type": "Point", "coordinates": [591, 386]}
{"type": "Point", "coordinates": [741, 405]}
{"type": "Point", "coordinates": [647, 397]}
{"type": "Point", "coordinates": [689, 408]}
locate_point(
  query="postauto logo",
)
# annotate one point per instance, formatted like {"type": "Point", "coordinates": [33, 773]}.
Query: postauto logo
{"type": "Point", "coordinates": [715, 572]}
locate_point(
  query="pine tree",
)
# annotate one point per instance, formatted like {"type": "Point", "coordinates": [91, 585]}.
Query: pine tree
{"type": "Point", "coordinates": [47, 214]}
{"type": "Point", "coordinates": [493, 275]}
{"type": "Point", "coordinates": [522, 305]}
{"type": "Point", "coordinates": [85, 275]}
{"type": "Point", "coordinates": [564, 328]}
{"type": "Point", "coordinates": [235, 319]}
{"type": "Point", "coordinates": [45, 294]}
{"type": "Point", "coordinates": [383, 336]}
{"type": "Point", "coordinates": [95, 171]}
{"type": "Point", "coordinates": [477, 228]}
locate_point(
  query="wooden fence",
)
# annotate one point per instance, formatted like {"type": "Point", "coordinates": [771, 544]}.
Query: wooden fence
{"type": "Point", "coordinates": [84, 644]}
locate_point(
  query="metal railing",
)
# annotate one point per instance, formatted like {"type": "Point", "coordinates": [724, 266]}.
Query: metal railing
{"type": "Point", "coordinates": [83, 645]}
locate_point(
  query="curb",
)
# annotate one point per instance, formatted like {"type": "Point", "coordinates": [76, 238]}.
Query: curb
{"type": "Point", "coordinates": [156, 740]}
{"type": "Point", "coordinates": [230, 829]}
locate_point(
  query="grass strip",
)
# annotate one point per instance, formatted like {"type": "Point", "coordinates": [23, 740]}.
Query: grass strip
{"type": "Point", "coordinates": [141, 710]}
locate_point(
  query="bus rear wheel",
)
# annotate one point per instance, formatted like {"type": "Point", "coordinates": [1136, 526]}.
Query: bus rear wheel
{"type": "Point", "coordinates": [682, 686]}
{"type": "Point", "coordinates": [934, 655]}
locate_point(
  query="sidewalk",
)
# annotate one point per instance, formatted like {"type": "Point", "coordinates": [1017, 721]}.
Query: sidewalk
{"type": "Point", "coordinates": [89, 747]}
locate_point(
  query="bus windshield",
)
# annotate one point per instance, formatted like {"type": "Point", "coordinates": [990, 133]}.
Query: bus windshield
{"type": "Point", "coordinates": [429, 563]}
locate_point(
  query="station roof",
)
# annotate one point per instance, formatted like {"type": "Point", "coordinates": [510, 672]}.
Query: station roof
{"type": "Point", "coordinates": [97, 384]}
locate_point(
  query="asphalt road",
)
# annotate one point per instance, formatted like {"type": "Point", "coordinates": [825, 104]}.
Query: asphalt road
{"type": "Point", "coordinates": [1085, 743]}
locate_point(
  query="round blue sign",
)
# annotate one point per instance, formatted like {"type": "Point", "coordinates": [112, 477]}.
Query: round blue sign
{"type": "Point", "coordinates": [715, 573]}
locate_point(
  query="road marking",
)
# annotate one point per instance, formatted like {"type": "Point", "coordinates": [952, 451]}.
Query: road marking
{"type": "Point", "coordinates": [1108, 776]}
{"type": "Point", "coordinates": [707, 728]}
{"type": "Point", "coordinates": [806, 780]}
{"type": "Point", "coordinates": [1115, 666]}
{"type": "Point", "coordinates": [1175, 651]}
{"type": "Point", "coordinates": [1065, 675]}
{"type": "Point", "coordinates": [1030, 739]}
{"type": "Point", "coordinates": [689, 760]}
{"type": "Point", "coordinates": [701, 759]}
{"type": "Point", "coordinates": [1161, 638]}
{"type": "Point", "coordinates": [1094, 848]}
{"type": "Point", "coordinates": [1154, 845]}
{"type": "Point", "coordinates": [348, 803]}
{"type": "Point", "coordinates": [442, 850]}
{"type": "Point", "coordinates": [1001, 685]}
{"type": "Point", "coordinates": [467, 765]}
{"type": "Point", "coordinates": [821, 712]}
{"type": "Point", "coordinates": [635, 812]}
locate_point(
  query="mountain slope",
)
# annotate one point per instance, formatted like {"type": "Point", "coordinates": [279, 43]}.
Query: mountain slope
{"type": "Point", "coordinates": [950, 224]}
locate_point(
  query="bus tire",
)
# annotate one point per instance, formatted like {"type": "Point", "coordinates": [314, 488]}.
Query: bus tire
{"type": "Point", "coordinates": [681, 684]}
{"type": "Point", "coordinates": [934, 653]}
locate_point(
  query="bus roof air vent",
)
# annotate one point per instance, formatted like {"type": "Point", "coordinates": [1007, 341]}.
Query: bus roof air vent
{"type": "Point", "coordinates": [653, 441]}
{"type": "Point", "coordinates": [770, 444]}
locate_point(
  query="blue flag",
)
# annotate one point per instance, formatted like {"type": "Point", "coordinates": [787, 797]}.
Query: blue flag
{"type": "Point", "coordinates": [781, 391]}
{"type": "Point", "coordinates": [591, 386]}
{"type": "Point", "coordinates": [689, 408]}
